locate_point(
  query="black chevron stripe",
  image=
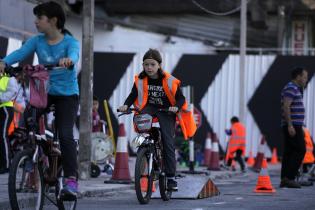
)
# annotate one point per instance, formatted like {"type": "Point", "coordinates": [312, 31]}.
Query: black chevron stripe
{"type": "Point", "coordinates": [109, 68]}
{"type": "Point", "coordinates": [199, 71]}
{"type": "Point", "coordinates": [3, 46]}
{"type": "Point", "coordinates": [265, 103]}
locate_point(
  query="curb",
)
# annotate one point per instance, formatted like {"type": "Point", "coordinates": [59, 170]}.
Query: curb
{"type": "Point", "coordinates": [102, 192]}
{"type": "Point", "coordinates": [5, 205]}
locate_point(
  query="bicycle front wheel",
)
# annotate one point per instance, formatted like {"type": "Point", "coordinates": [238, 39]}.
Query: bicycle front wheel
{"type": "Point", "coordinates": [143, 176]}
{"type": "Point", "coordinates": [25, 182]}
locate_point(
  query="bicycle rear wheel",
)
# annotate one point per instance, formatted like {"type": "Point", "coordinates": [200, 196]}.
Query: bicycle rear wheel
{"type": "Point", "coordinates": [143, 178]}
{"type": "Point", "coordinates": [26, 186]}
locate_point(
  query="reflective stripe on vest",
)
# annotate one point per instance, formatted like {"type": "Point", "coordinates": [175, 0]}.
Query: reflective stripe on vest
{"type": "Point", "coordinates": [140, 93]}
{"type": "Point", "coordinates": [8, 103]}
{"type": "Point", "coordinates": [170, 85]}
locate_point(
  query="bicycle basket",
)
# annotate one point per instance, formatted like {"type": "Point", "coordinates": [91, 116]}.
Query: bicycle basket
{"type": "Point", "coordinates": [142, 122]}
{"type": "Point", "coordinates": [38, 77]}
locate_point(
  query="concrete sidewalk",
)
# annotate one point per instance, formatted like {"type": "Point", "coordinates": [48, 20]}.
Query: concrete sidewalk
{"type": "Point", "coordinates": [87, 188]}
{"type": "Point", "coordinates": [95, 187]}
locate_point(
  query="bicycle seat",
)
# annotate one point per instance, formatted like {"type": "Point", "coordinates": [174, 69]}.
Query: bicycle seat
{"type": "Point", "coordinates": [50, 108]}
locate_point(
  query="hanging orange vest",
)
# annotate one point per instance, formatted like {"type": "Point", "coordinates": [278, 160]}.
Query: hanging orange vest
{"type": "Point", "coordinates": [170, 85]}
{"type": "Point", "coordinates": [309, 157]}
{"type": "Point", "coordinates": [237, 139]}
{"type": "Point", "coordinates": [18, 109]}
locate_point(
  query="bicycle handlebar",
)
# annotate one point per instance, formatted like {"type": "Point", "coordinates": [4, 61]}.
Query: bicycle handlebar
{"type": "Point", "coordinates": [13, 71]}
{"type": "Point", "coordinates": [131, 110]}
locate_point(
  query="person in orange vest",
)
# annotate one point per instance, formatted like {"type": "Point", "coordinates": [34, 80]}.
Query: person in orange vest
{"type": "Point", "coordinates": [8, 91]}
{"type": "Point", "coordinates": [154, 89]}
{"type": "Point", "coordinates": [309, 159]}
{"type": "Point", "coordinates": [18, 103]}
{"type": "Point", "coordinates": [236, 143]}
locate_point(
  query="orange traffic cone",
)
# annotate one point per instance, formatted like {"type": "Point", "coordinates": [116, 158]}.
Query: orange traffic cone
{"type": "Point", "coordinates": [263, 183]}
{"type": "Point", "coordinates": [144, 184]}
{"type": "Point", "coordinates": [250, 160]}
{"type": "Point", "coordinates": [121, 169]}
{"type": "Point", "coordinates": [207, 151]}
{"type": "Point", "coordinates": [274, 157]}
{"type": "Point", "coordinates": [260, 155]}
{"type": "Point", "coordinates": [214, 160]}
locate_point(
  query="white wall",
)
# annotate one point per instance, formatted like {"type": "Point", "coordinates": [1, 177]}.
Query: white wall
{"type": "Point", "coordinates": [218, 103]}
{"type": "Point", "coordinates": [222, 99]}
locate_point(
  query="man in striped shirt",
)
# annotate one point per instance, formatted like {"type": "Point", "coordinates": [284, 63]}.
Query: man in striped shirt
{"type": "Point", "coordinates": [293, 114]}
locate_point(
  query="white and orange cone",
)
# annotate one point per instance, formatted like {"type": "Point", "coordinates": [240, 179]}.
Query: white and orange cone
{"type": "Point", "coordinates": [274, 157]}
{"type": "Point", "coordinates": [264, 183]}
{"type": "Point", "coordinates": [260, 155]}
{"type": "Point", "coordinates": [121, 170]}
{"type": "Point", "coordinates": [250, 160]}
{"type": "Point", "coordinates": [207, 151]}
{"type": "Point", "coordinates": [215, 159]}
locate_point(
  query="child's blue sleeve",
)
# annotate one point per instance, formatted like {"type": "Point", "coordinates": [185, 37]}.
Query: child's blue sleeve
{"type": "Point", "coordinates": [74, 51]}
{"type": "Point", "coordinates": [19, 55]}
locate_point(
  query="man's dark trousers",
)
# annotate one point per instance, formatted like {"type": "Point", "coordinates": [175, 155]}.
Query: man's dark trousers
{"type": "Point", "coordinates": [293, 154]}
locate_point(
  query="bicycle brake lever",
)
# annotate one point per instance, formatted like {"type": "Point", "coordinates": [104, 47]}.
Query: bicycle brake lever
{"type": "Point", "coordinates": [121, 114]}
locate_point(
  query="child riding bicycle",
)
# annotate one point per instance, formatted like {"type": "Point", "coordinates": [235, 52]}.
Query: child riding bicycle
{"type": "Point", "coordinates": [155, 89]}
{"type": "Point", "coordinates": [55, 45]}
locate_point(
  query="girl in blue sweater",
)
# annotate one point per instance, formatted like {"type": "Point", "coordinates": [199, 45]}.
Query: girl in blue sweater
{"type": "Point", "coordinates": [55, 45]}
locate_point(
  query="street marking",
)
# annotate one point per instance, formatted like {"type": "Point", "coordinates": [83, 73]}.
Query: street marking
{"type": "Point", "coordinates": [219, 203]}
{"type": "Point", "coordinates": [239, 198]}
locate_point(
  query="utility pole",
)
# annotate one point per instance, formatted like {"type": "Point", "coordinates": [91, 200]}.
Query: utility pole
{"type": "Point", "coordinates": [242, 59]}
{"type": "Point", "coordinates": [86, 90]}
{"type": "Point", "coordinates": [281, 27]}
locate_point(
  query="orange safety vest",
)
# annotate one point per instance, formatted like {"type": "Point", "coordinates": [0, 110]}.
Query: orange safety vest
{"type": "Point", "coordinates": [170, 85]}
{"type": "Point", "coordinates": [309, 157]}
{"type": "Point", "coordinates": [237, 139]}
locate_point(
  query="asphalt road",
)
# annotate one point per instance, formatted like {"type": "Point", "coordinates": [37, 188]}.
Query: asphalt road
{"type": "Point", "coordinates": [235, 193]}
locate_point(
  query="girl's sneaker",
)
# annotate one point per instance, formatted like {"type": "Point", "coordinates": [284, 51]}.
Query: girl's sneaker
{"type": "Point", "coordinates": [172, 185]}
{"type": "Point", "coordinates": [70, 190]}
